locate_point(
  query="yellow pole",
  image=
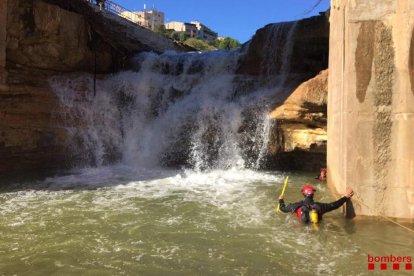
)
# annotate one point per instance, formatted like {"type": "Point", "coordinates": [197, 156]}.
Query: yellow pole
{"type": "Point", "coordinates": [283, 192]}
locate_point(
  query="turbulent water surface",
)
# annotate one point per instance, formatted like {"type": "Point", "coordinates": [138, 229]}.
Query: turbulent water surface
{"type": "Point", "coordinates": [123, 221]}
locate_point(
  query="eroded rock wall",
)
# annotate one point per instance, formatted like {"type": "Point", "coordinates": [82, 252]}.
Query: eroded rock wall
{"type": "Point", "coordinates": [300, 137]}
{"type": "Point", "coordinates": [298, 140]}
{"type": "Point", "coordinates": [371, 105]}
{"type": "Point", "coordinates": [309, 53]}
{"type": "Point", "coordinates": [43, 38]}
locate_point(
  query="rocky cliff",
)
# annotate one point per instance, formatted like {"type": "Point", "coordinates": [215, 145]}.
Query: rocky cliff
{"type": "Point", "coordinates": [309, 49]}
{"type": "Point", "coordinates": [41, 38]}
{"type": "Point", "coordinates": [299, 138]}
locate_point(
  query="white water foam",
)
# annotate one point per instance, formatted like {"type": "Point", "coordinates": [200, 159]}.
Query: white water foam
{"type": "Point", "coordinates": [175, 109]}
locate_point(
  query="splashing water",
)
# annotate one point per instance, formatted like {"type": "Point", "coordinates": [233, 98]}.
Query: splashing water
{"type": "Point", "coordinates": [177, 109]}
{"type": "Point", "coordinates": [276, 64]}
{"type": "Point", "coordinates": [120, 220]}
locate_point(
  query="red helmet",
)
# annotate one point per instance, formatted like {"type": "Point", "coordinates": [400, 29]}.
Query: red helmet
{"type": "Point", "coordinates": [308, 190]}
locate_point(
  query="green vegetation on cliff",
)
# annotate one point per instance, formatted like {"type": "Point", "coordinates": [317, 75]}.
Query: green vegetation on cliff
{"type": "Point", "coordinates": [198, 43]}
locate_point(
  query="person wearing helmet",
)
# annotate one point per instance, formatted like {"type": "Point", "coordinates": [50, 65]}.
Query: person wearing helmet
{"type": "Point", "coordinates": [322, 174]}
{"type": "Point", "coordinates": [307, 210]}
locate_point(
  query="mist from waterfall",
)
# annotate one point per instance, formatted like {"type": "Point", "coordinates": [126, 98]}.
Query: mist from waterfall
{"type": "Point", "coordinates": [178, 109]}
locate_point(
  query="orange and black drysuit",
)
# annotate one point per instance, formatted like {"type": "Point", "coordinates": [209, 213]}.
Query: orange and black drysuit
{"type": "Point", "coordinates": [303, 207]}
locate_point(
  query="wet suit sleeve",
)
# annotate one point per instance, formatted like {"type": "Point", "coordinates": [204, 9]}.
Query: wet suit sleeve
{"type": "Point", "coordinates": [327, 207]}
{"type": "Point", "coordinates": [292, 207]}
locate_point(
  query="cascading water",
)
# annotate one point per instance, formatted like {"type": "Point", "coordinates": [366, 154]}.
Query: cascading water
{"type": "Point", "coordinates": [276, 64]}
{"type": "Point", "coordinates": [178, 109]}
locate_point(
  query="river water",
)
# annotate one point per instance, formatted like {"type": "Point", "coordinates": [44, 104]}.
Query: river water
{"type": "Point", "coordinates": [120, 220]}
{"type": "Point", "coordinates": [217, 217]}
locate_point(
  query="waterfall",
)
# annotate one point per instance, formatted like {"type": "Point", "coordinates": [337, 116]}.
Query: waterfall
{"type": "Point", "coordinates": [277, 59]}
{"type": "Point", "coordinates": [92, 123]}
{"type": "Point", "coordinates": [176, 109]}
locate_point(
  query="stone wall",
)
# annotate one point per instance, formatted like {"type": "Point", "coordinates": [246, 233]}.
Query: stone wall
{"type": "Point", "coordinates": [371, 105]}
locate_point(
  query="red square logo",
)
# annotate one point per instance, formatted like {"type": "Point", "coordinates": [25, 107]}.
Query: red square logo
{"type": "Point", "coordinates": [371, 266]}
{"type": "Point", "coordinates": [396, 266]}
{"type": "Point", "coordinates": [408, 266]}
{"type": "Point", "coordinates": [383, 266]}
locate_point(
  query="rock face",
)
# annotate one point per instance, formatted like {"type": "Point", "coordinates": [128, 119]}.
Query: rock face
{"type": "Point", "coordinates": [299, 140]}
{"type": "Point", "coordinates": [371, 105]}
{"type": "Point", "coordinates": [309, 49]}
{"type": "Point", "coordinates": [41, 38]}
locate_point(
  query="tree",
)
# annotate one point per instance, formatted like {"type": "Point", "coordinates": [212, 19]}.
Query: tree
{"type": "Point", "coordinates": [228, 43]}
{"type": "Point", "coordinates": [215, 43]}
{"type": "Point", "coordinates": [161, 29]}
{"type": "Point", "coordinates": [182, 36]}
{"type": "Point", "coordinates": [175, 35]}
{"type": "Point", "coordinates": [198, 44]}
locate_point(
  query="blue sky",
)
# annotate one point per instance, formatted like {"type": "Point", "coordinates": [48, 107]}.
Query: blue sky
{"type": "Point", "coordinates": [235, 18]}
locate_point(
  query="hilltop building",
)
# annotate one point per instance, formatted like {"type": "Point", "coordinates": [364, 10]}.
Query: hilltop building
{"type": "Point", "coordinates": [148, 19]}
{"type": "Point", "coordinates": [204, 32]}
{"type": "Point", "coordinates": [193, 29]}
{"type": "Point", "coordinates": [188, 28]}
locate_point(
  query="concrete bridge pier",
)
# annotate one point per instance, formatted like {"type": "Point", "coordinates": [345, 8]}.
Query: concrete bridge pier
{"type": "Point", "coordinates": [371, 105]}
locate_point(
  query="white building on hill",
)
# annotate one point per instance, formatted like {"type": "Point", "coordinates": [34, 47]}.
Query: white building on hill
{"type": "Point", "coordinates": [204, 32]}
{"type": "Point", "coordinates": [188, 28]}
{"type": "Point", "coordinates": [148, 19]}
{"type": "Point", "coordinates": [193, 29]}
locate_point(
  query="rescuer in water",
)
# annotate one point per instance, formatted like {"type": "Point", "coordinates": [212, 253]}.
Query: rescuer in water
{"type": "Point", "coordinates": [309, 211]}
{"type": "Point", "coordinates": [322, 174]}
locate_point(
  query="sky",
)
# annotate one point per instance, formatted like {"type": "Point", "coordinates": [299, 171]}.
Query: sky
{"type": "Point", "coordinates": [238, 19]}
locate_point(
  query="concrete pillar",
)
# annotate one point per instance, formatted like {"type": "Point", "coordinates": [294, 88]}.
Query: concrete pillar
{"type": "Point", "coordinates": [371, 105]}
